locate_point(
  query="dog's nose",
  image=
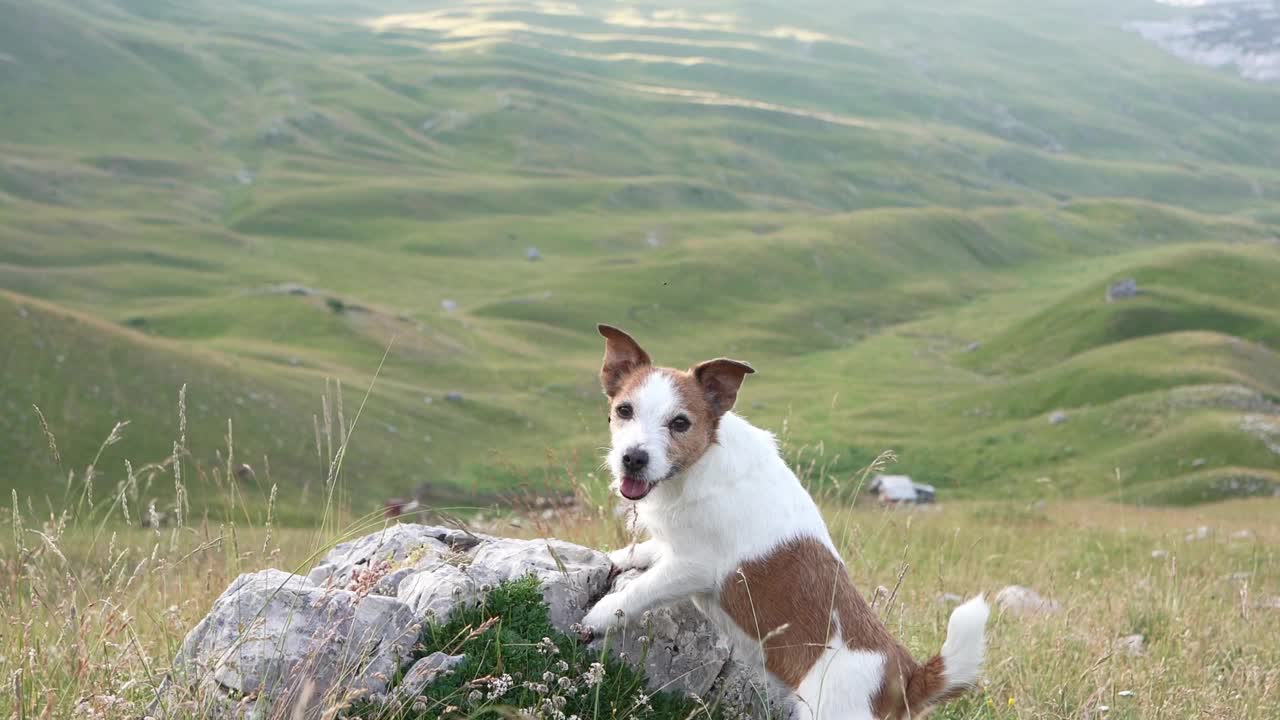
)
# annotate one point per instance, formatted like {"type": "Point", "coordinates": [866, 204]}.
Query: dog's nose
{"type": "Point", "coordinates": [635, 460]}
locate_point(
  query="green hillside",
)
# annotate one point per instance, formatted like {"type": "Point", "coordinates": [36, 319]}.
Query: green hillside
{"type": "Point", "coordinates": [906, 220]}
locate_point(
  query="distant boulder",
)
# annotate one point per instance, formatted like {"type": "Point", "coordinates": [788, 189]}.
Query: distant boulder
{"type": "Point", "coordinates": [1132, 645]}
{"type": "Point", "coordinates": [532, 254]}
{"type": "Point", "coordinates": [1122, 290]}
{"type": "Point", "coordinates": [1020, 600]}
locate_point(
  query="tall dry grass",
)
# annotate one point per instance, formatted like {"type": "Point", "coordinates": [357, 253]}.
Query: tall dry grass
{"type": "Point", "coordinates": [99, 590]}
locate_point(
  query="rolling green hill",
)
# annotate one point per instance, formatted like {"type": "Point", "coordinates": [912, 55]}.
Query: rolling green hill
{"type": "Point", "coordinates": [906, 219]}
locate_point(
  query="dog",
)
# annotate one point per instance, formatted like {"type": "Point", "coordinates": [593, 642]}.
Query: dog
{"type": "Point", "coordinates": [731, 527]}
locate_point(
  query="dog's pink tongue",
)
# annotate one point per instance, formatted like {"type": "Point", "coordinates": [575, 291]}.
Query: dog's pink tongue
{"type": "Point", "coordinates": [634, 488]}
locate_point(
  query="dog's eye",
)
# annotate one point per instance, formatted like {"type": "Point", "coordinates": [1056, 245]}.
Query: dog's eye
{"type": "Point", "coordinates": [624, 411]}
{"type": "Point", "coordinates": [680, 424]}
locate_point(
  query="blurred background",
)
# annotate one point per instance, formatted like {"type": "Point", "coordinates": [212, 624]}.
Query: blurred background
{"type": "Point", "coordinates": [1033, 248]}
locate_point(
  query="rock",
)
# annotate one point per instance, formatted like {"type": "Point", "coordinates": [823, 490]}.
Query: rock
{"type": "Point", "coordinates": [1122, 290]}
{"type": "Point", "coordinates": [1242, 535]}
{"type": "Point", "coordinates": [276, 644]}
{"type": "Point", "coordinates": [291, 288]}
{"type": "Point", "coordinates": [684, 653]}
{"type": "Point", "coordinates": [449, 305]}
{"type": "Point", "coordinates": [1199, 533]}
{"type": "Point", "coordinates": [453, 396]}
{"type": "Point", "coordinates": [1159, 554]}
{"type": "Point", "coordinates": [424, 672]}
{"type": "Point", "coordinates": [1057, 417]}
{"type": "Point", "coordinates": [678, 644]}
{"type": "Point", "coordinates": [1021, 600]}
{"type": "Point", "coordinates": [283, 645]}
{"type": "Point", "coordinates": [532, 255]}
{"type": "Point", "coordinates": [435, 594]}
{"type": "Point", "coordinates": [1238, 577]}
{"type": "Point", "coordinates": [1198, 462]}
{"type": "Point", "coordinates": [435, 569]}
{"type": "Point", "coordinates": [972, 347]}
{"type": "Point", "coordinates": [422, 546]}
{"type": "Point", "coordinates": [572, 576]}
{"type": "Point", "coordinates": [1132, 645]}
{"type": "Point", "coordinates": [1270, 603]}
{"type": "Point", "coordinates": [244, 176]}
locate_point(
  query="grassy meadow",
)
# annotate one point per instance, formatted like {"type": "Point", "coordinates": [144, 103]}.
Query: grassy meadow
{"type": "Point", "coordinates": [95, 611]}
{"type": "Point", "coordinates": [266, 264]}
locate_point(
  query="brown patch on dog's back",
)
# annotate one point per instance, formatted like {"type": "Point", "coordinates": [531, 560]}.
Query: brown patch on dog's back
{"type": "Point", "coordinates": [790, 600]}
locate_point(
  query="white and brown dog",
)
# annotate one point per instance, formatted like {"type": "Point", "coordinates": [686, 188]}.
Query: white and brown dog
{"type": "Point", "coordinates": [731, 527]}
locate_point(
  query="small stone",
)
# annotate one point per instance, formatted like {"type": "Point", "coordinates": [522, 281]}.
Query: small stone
{"type": "Point", "coordinates": [424, 672]}
{"type": "Point", "coordinates": [1242, 535]}
{"type": "Point", "coordinates": [1199, 533]}
{"type": "Point", "coordinates": [1132, 645]}
{"type": "Point", "coordinates": [532, 254]}
{"type": "Point", "coordinates": [1057, 417]}
{"type": "Point", "coordinates": [1122, 290]}
{"type": "Point", "coordinates": [453, 396]}
{"type": "Point", "coordinates": [1159, 554]}
{"type": "Point", "coordinates": [1238, 577]}
{"type": "Point", "coordinates": [449, 305]}
{"type": "Point", "coordinates": [1020, 600]}
{"type": "Point", "coordinates": [1198, 462]}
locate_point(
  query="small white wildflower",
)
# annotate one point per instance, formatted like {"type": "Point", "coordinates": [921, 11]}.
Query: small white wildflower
{"type": "Point", "coordinates": [594, 675]}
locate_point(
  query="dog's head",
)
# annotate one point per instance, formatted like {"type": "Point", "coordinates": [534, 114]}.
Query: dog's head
{"type": "Point", "coordinates": [661, 420]}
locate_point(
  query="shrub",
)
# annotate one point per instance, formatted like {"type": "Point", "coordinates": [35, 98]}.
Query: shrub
{"type": "Point", "coordinates": [518, 665]}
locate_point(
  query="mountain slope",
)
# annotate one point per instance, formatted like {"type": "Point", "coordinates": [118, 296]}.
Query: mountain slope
{"type": "Point", "coordinates": [252, 196]}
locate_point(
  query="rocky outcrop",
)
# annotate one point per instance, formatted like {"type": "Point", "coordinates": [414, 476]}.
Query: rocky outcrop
{"type": "Point", "coordinates": [274, 640]}
{"type": "Point", "coordinates": [275, 644]}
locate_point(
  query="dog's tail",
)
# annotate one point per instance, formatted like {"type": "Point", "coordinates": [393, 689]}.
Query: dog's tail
{"type": "Point", "coordinates": [956, 668]}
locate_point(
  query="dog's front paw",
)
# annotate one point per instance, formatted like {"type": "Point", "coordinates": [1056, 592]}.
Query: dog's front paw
{"type": "Point", "coordinates": [623, 559]}
{"type": "Point", "coordinates": [605, 615]}
{"type": "Point", "coordinates": [631, 557]}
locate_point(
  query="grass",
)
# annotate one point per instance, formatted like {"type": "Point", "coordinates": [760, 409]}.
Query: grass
{"type": "Point", "coordinates": [97, 609]}
{"type": "Point", "coordinates": [516, 661]}
{"type": "Point", "coordinates": [98, 603]}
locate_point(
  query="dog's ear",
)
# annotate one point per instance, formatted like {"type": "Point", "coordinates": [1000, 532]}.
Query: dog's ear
{"type": "Point", "coordinates": [622, 355]}
{"type": "Point", "coordinates": [720, 380]}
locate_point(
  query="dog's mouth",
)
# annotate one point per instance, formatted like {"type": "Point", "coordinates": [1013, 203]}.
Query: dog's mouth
{"type": "Point", "coordinates": [634, 488]}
